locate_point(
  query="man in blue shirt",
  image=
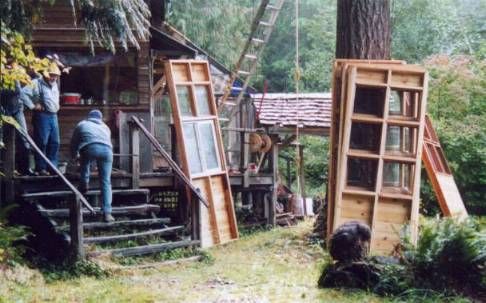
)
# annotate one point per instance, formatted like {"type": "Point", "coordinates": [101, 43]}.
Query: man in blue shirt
{"type": "Point", "coordinates": [92, 141]}
{"type": "Point", "coordinates": [45, 96]}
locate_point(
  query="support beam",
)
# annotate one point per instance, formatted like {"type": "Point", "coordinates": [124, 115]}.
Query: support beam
{"type": "Point", "coordinates": [135, 151]}
{"type": "Point", "coordinates": [9, 164]}
{"type": "Point", "coordinates": [76, 229]}
{"type": "Point", "coordinates": [273, 200]}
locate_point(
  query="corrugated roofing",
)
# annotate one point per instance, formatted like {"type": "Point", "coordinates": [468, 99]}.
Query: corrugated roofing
{"type": "Point", "coordinates": [311, 110]}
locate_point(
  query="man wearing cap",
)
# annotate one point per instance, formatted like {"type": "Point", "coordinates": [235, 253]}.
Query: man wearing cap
{"type": "Point", "coordinates": [45, 96]}
{"type": "Point", "coordinates": [92, 141]}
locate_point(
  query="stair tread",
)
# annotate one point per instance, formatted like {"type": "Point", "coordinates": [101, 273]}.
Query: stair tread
{"type": "Point", "coordinates": [89, 193]}
{"type": "Point", "coordinates": [144, 249]}
{"type": "Point", "coordinates": [138, 222]}
{"type": "Point", "coordinates": [135, 209]}
{"type": "Point", "coordinates": [161, 231]}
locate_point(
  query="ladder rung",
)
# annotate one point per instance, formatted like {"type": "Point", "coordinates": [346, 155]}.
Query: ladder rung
{"type": "Point", "coordinates": [252, 57]}
{"type": "Point", "coordinates": [243, 72]}
{"type": "Point", "coordinates": [265, 23]}
{"type": "Point", "coordinates": [256, 40]}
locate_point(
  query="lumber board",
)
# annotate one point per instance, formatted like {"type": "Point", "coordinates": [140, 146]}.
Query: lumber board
{"type": "Point", "coordinates": [159, 232]}
{"type": "Point", "coordinates": [125, 210]}
{"type": "Point", "coordinates": [123, 223]}
{"type": "Point", "coordinates": [145, 249]}
{"type": "Point", "coordinates": [440, 175]}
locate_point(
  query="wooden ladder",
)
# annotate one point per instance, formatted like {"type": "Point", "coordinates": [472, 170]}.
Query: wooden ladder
{"type": "Point", "coordinates": [261, 29]}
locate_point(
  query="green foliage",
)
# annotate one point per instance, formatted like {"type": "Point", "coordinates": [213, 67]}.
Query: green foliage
{"type": "Point", "coordinates": [11, 251]}
{"type": "Point", "coordinates": [219, 27]}
{"type": "Point", "coordinates": [315, 165]}
{"type": "Point", "coordinates": [421, 28]}
{"type": "Point", "coordinates": [449, 255]}
{"type": "Point", "coordinates": [316, 48]}
{"type": "Point", "coordinates": [68, 271]}
{"type": "Point", "coordinates": [17, 59]}
{"type": "Point", "coordinates": [449, 259]}
{"type": "Point", "coordinates": [457, 87]}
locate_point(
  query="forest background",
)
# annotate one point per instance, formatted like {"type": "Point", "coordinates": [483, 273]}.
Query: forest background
{"type": "Point", "coordinates": [446, 36]}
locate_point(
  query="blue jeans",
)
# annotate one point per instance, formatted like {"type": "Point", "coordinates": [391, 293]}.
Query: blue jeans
{"type": "Point", "coordinates": [46, 136]}
{"type": "Point", "coordinates": [23, 147]}
{"type": "Point", "coordinates": [103, 155]}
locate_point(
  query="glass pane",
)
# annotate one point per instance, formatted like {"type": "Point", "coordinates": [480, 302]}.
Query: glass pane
{"type": "Point", "coordinates": [362, 173]}
{"type": "Point", "coordinates": [202, 100]}
{"type": "Point", "coordinates": [184, 100]}
{"type": "Point", "coordinates": [192, 149]}
{"type": "Point", "coordinates": [395, 103]}
{"type": "Point", "coordinates": [400, 140]}
{"type": "Point", "coordinates": [402, 103]}
{"type": "Point", "coordinates": [397, 177]}
{"type": "Point", "coordinates": [365, 136]}
{"type": "Point", "coordinates": [208, 145]}
{"type": "Point", "coordinates": [369, 100]}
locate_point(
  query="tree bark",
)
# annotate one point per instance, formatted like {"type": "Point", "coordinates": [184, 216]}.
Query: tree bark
{"type": "Point", "coordinates": [363, 29]}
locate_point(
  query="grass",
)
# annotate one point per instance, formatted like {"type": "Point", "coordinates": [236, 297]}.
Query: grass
{"type": "Point", "coordinates": [277, 265]}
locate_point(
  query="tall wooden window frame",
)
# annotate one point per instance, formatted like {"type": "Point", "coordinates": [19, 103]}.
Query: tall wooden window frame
{"type": "Point", "coordinates": [197, 118]}
{"type": "Point", "coordinates": [390, 78]}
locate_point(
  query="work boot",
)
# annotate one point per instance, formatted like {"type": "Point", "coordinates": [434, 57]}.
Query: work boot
{"type": "Point", "coordinates": [108, 218]}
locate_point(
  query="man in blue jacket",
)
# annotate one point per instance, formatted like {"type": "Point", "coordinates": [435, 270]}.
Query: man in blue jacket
{"type": "Point", "coordinates": [44, 94]}
{"type": "Point", "coordinates": [92, 141]}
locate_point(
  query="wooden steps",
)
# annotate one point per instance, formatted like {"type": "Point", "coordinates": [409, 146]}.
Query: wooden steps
{"type": "Point", "coordinates": [159, 232]}
{"type": "Point", "coordinates": [139, 230]}
{"type": "Point", "coordinates": [64, 193]}
{"type": "Point", "coordinates": [123, 223]}
{"type": "Point", "coordinates": [145, 249]}
{"type": "Point", "coordinates": [141, 209]}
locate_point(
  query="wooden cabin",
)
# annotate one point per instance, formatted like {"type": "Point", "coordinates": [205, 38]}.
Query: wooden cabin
{"type": "Point", "coordinates": [153, 212]}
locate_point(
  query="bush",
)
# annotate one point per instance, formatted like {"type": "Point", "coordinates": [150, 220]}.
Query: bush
{"type": "Point", "coordinates": [449, 255]}
{"type": "Point", "coordinates": [11, 248]}
{"type": "Point", "coordinates": [449, 259]}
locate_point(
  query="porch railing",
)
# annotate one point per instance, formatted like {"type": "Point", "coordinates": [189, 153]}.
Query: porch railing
{"type": "Point", "coordinates": [175, 167]}
{"type": "Point", "coordinates": [75, 212]}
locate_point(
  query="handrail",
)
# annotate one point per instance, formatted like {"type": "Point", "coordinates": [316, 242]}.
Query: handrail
{"type": "Point", "coordinates": [169, 160]}
{"type": "Point", "coordinates": [76, 192]}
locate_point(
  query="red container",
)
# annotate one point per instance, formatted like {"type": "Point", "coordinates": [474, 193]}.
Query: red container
{"type": "Point", "coordinates": [70, 98]}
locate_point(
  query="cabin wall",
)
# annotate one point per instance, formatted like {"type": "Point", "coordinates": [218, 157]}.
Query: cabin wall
{"type": "Point", "coordinates": [56, 32]}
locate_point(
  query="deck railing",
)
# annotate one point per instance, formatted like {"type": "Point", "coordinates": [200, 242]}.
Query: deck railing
{"type": "Point", "coordinates": [75, 212]}
{"type": "Point", "coordinates": [194, 192]}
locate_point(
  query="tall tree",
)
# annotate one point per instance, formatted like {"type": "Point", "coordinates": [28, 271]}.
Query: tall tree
{"type": "Point", "coordinates": [363, 29]}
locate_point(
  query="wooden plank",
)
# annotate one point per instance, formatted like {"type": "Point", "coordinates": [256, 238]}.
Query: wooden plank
{"type": "Point", "coordinates": [154, 232]}
{"type": "Point", "coordinates": [145, 249]}
{"type": "Point", "coordinates": [141, 209]}
{"type": "Point", "coordinates": [135, 159]}
{"type": "Point", "coordinates": [438, 172]}
{"type": "Point", "coordinates": [124, 223]}
{"type": "Point", "coordinates": [76, 229]}
{"type": "Point", "coordinates": [63, 193]}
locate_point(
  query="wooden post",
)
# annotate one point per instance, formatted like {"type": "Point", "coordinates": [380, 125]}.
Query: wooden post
{"type": "Point", "coordinates": [302, 177]}
{"type": "Point", "coordinates": [195, 219]}
{"type": "Point", "coordinates": [135, 151]}
{"type": "Point", "coordinates": [9, 164]}
{"type": "Point", "coordinates": [76, 229]}
{"type": "Point", "coordinates": [273, 201]}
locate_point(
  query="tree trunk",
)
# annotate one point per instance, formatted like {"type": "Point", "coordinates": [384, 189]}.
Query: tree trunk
{"type": "Point", "coordinates": [363, 29]}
